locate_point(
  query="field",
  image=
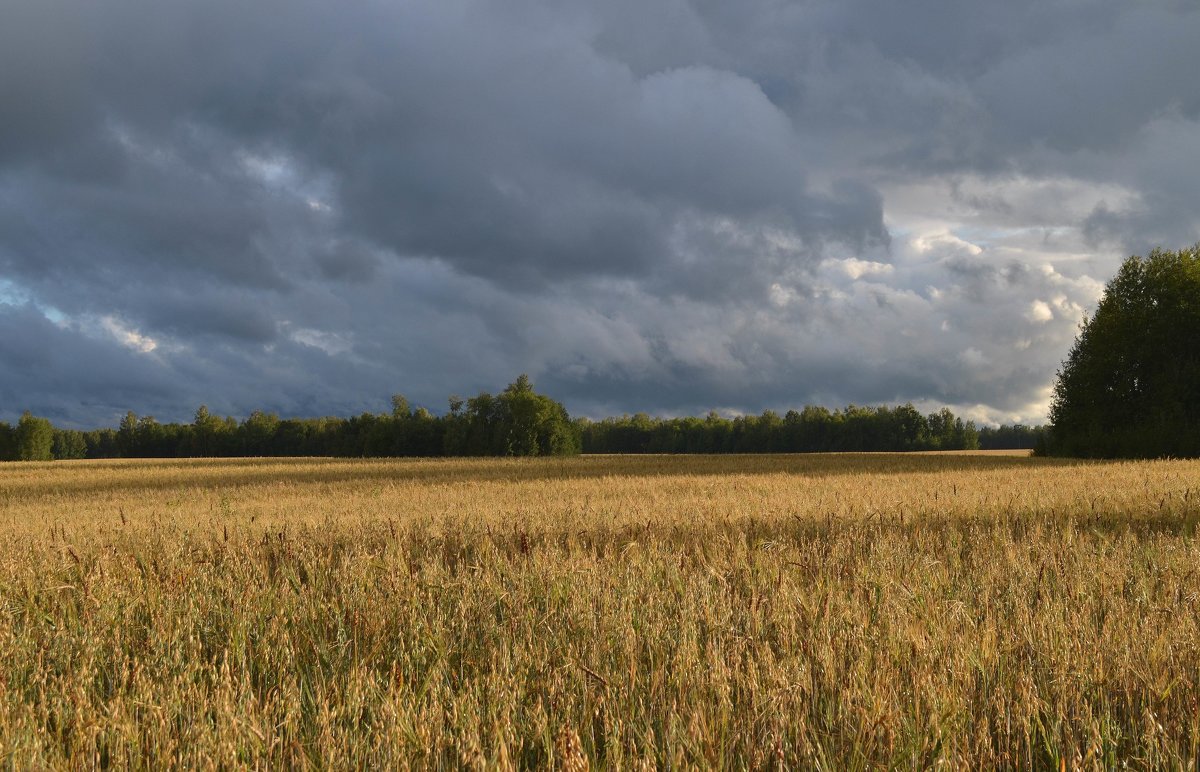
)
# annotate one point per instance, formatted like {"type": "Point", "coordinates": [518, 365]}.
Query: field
{"type": "Point", "coordinates": [834, 612]}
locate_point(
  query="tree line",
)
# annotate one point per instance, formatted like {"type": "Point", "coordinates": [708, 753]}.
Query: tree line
{"type": "Point", "coordinates": [811, 430]}
{"type": "Point", "coordinates": [1012, 437]}
{"type": "Point", "coordinates": [516, 422]}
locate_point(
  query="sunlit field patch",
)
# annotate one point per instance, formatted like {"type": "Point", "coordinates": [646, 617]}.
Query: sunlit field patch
{"type": "Point", "coordinates": [841, 611]}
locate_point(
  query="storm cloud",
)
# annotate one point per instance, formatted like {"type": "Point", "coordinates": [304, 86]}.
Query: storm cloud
{"type": "Point", "coordinates": [662, 205]}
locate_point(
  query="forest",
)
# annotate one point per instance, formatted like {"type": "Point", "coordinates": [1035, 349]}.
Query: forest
{"type": "Point", "coordinates": [516, 422]}
{"type": "Point", "coordinates": [811, 430]}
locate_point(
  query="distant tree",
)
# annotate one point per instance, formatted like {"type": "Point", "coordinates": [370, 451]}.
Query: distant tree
{"type": "Point", "coordinates": [523, 413]}
{"type": "Point", "coordinates": [154, 440]}
{"type": "Point", "coordinates": [1130, 386]}
{"type": "Point", "coordinates": [815, 429]}
{"type": "Point", "coordinates": [516, 422]}
{"type": "Point", "coordinates": [102, 443]}
{"type": "Point", "coordinates": [455, 428]}
{"type": "Point", "coordinates": [8, 442]}
{"type": "Point", "coordinates": [69, 444]}
{"type": "Point", "coordinates": [208, 436]}
{"type": "Point", "coordinates": [414, 432]}
{"type": "Point", "coordinates": [909, 429]}
{"type": "Point", "coordinates": [35, 438]}
{"type": "Point", "coordinates": [256, 433]}
{"type": "Point", "coordinates": [127, 435]}
{"type": "Point", "coordinates": [1006, 437]}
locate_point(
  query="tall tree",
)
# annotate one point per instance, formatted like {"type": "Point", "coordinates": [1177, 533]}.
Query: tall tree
{"type": "Point", "coordinates": [1130, 386]}
{"type": "Point", "coordinates": [208, 434]}
{"type": "Point", "coordinates": [127, 435]}
{"type": "Point", "coordinates": [35, 438]}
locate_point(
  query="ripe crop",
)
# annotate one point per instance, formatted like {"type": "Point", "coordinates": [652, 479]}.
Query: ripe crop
{"type": "Point", "coordinates": [832, 611]}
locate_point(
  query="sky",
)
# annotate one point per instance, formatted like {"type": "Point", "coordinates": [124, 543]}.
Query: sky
{"type": "Point", "coordinates": [669, 206]}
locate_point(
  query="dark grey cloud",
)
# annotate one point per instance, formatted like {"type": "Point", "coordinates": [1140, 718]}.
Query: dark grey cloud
{"type": "Point", "coordinates": [59, 371]}
{"type": "Point", "coordinates": [670, 205]}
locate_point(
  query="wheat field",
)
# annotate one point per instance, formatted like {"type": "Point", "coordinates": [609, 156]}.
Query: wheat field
{"type": "Point", "coordinates": [825, 612]}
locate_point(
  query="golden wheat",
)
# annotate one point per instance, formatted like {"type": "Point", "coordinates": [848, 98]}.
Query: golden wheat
{"type": "Point", "coordinates": [836, 612]}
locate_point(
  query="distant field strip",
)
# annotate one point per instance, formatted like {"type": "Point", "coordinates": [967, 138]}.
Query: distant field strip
{"type": "Point", "coordinates": [836, 611]}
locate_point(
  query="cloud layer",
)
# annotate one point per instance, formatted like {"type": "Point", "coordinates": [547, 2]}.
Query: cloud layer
{"type": "Point", "coordinates": [657, 205]}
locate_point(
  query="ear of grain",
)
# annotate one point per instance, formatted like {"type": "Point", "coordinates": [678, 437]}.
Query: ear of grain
{"type": "Point", "coordinates": [839, 612]}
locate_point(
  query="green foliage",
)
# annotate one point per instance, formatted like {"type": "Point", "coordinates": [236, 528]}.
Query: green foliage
{"type": "Point", "coordinates": [8, 442]}
{"type": "Point", "coordinates": [533, 424]}
{"type": "Point", "coordinates": [35, 438]}
{"type": "Point", "coordinates": [516, 422]}
{"type": "Point", "coordinates": [813, 430]}
{"type": "Point", "coordinates": [127, 435]}
{"type": "Point", "coordinates": [209, 436]}
{"type": "Point", "coordinates": [1014, 437]}
{"type": "Point", "coordinates": [69, 443]}
{"type": "Point", "coordinates": [257, 433]}
{"type": "Point", "coordinates": [1130, 386]}
{"type": "Point", "coordinates": [101, 443]}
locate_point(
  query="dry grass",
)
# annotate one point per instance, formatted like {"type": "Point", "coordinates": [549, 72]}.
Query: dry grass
{"type": "Point", "coordinates": [833, 612]}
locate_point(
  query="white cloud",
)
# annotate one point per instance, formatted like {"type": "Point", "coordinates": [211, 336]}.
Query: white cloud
{"type": "Point", "coordinates": [1039, 312]}
{"type": "Point", "coordinates": [856, 269]}
{"type": "Point", "coordinates": [127, 336]}
{"type": "Point", "coordinates": [331, 343]}
{"type": "Point", "coordinates": [943, 241]}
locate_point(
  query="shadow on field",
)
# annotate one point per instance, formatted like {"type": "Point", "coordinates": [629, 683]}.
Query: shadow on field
{"type": "Point", "coordinates": [21, 481]}
{"type": "Point", "coordinates": [465, 547]}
